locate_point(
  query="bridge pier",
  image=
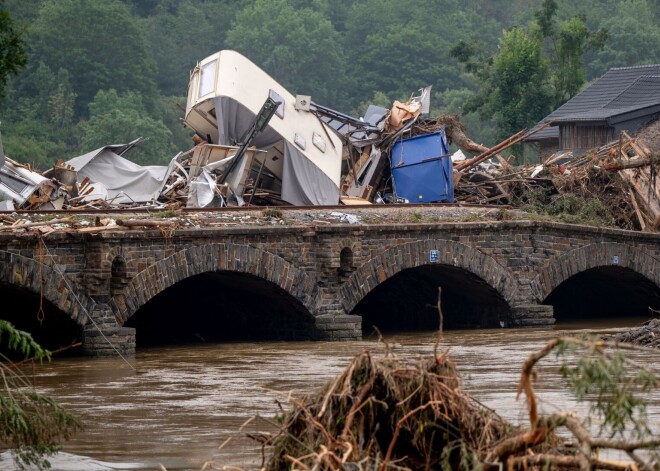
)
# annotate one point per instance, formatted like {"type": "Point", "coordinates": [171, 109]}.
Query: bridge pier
{"type": "Point", "coordinates": [104, 337]}
{"type": "Point", "coordinates": [531, 315]}
{"type": "Point", "coordinates": [338, 326]}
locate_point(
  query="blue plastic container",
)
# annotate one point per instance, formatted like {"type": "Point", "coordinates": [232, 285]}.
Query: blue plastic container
{"type": "Point", "coordinates": [422, 170]}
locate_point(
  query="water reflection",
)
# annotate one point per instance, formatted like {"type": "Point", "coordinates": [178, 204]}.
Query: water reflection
{"type": "Point", "coordinates": [180, 403]}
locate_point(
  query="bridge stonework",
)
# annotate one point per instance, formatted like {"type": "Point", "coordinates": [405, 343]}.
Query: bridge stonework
{"type": "Point", "coordinates": [101, 280]}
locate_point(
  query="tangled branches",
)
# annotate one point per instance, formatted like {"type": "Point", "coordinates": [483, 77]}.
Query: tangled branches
{"type": "Point", "coordinates": [31, 424]}
{"type": "Point", "coordinates": [382, 415]}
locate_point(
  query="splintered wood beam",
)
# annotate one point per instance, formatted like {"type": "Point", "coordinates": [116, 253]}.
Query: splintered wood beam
{"type": "Point", "coordinates": [638, 212]}
{"type": "Point", "coordinates": [144, 223]}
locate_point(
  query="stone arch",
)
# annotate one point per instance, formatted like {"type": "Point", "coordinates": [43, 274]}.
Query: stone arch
{"type": "Point", "coordinates": [217, 257]}
{"type": "Point", "coordinates": [41, 279]}
{"type": "Point", "coordinates": [591, 256]}
{"type": "Point", "coordinates": [416, 254]}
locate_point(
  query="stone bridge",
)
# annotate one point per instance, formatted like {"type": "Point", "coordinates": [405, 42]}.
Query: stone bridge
{"type": "Point", "coordinates": [320, 282]}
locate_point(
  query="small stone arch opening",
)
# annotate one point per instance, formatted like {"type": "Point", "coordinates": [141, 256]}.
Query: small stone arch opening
{"type": "Point", "coordinates": [221, 306]}
{"type": "Point", "coordinates": [118, 275]}
{"type": "Point", "coordinates": [50, 327]}
{"type": "Point", "coordinates": [408, 301]}
{"type": "Point", "coordinates": [346, 263]}
{"type": "Point", "coordinates": [608, 293]}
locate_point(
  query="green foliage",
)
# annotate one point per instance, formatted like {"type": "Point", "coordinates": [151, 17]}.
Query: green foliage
{"type": "Point", "coordinates": [615, 388]}
{"type": "Point", "coordinates": [297, 46]}
{"type": "Point", "coordinates": [567, 207]}
{"type": "Point", "coordinates": [524, 81]}
{"type": "Point", "coordinates": [167, 108]}
{"type": "Point", "coordinates": [100, 43]}
{"type": "Point", "coordinates": [569, 44]}
{"type": "Point", "coordinates": [513, 84]}
{"type": "Point", "coordinates": [579, 210]}
{"type": "Point", "coordinates": [166, 213]}
{"type": "Point", "coordinates": [405, 45]}
{"type": "Point", "coordinates": [519, 96]}
{"type": "Point", "coordinates": [545, 17]}
{"type": "Point", "coordinates": [378, 99]}
{"type": "Point", "coordinates": [21, 342]}
{"type": "Point", "coordinates": [273, 214]}
{"type": "Point", "coordinates": [12, 49]}
{"type": "Point", "coordinates": [120, 118]}
{"type": "Point", "coordinates": [346, 54]}
{"type": "Point", "coordinates": [468, 460]}
{"type": "Point", "coordinates": [535, 200]}
{"type": "Point", "coordinates": [633, 35]}
{"type": "Point", "coordinates": [180, 36]}
{"type": "Point", "coordinates": [31, 424]}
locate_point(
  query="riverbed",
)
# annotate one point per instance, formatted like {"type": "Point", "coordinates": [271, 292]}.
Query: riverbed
{"type": "Point", "coordinates": [177, 405]}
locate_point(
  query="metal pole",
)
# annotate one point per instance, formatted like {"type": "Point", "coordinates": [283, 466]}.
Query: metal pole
{"type": "Point", "coordinates": [267, 111]}
{"type": "Point", "coordinates": [256, 180]}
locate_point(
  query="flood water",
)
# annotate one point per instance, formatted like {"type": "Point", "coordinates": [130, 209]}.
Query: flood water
{"type": "Point", "coordinates": [176, 405]}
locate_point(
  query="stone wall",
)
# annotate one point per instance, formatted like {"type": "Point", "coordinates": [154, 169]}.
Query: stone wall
{"type": "Point", "coordinates": [329, 268]}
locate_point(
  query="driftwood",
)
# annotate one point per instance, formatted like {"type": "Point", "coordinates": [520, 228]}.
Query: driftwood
{"type": "Point", "coordinates": [588, 446]}
{"type": "Point", "coordinates": [505, 144]}
{"type": "Point", "coordinates": [371, 417]}
{"type": "Point", "coordinates": [381, 415]}
{"type": "Point", "coordinates": [488, 153]}
{"type": "Point", "coordinates": [456, 133]}
{"type": "Point", "coordinates": [96, 229]}
{"type": "Point", "coordinates": [27, 225]}
{"type": "Point", "coordinates": [648, 334]}
{"type": "Point", "coordinates": [441, 316]}
{"type": "Point", "coordinates": [144, 223]}
{"type": "Point", "coordinates": [633, 163]}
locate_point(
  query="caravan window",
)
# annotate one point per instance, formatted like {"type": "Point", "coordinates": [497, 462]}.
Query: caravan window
{"type": "Point", "coordinates": [192, 86]}
{"type": "Point", "coordinates": [207, 81]}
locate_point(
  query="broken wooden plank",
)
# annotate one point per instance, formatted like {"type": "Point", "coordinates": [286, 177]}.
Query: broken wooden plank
{"type": "Point", "coordinates": [144, 223]}
{"type": "Point", "coordinates": [638, 212]}
{"type": "Point", "coordinates": [95, 229]}
{"type": "Point", "coordinates": [35, 224]}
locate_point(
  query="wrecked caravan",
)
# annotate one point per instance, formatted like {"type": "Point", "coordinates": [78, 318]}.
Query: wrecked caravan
{"type": "Point", "coordinates": [303, 156]}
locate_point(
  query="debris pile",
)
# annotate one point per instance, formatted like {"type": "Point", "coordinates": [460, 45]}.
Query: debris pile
{"type": "Point", "coordinates": [289, 150]}
{"type": "Point", "coordinates": [619, 175]}
{"type": "Point", "coordinates": [382, 414]}
{"type": "Point", "coordinates": [648, 334]}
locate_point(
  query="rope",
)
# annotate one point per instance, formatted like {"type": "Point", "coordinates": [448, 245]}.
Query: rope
{"type": "Point", "coordinates": [73, 293]}
{"type": "Point", "coordinates": [167, 234]}
{"type": "Point", "coordinates": [41, 314]}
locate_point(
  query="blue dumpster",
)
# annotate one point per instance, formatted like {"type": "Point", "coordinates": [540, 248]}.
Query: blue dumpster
{"type": "Point", "coordinates": [422, 170]}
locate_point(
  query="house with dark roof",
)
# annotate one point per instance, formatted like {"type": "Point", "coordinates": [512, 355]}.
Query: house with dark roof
{"type": "Point", "coordinates": [624, 98]}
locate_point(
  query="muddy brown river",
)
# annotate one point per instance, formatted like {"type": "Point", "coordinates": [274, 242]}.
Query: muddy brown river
{"type": "Point", "coordinates": [175, 406]}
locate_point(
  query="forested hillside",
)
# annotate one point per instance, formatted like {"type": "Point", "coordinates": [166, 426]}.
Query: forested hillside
{"type": "Point", "coordinates": [97, 72]}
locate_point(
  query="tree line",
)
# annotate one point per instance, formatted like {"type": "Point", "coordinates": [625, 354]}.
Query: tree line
{"type": "Point", "coordinates": [79, 74]}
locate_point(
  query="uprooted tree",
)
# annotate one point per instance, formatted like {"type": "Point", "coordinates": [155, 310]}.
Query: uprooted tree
{"type": "Point", "coordinates": [31, 424]}
{"type": "Point", "coordinates": [380, 414]}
